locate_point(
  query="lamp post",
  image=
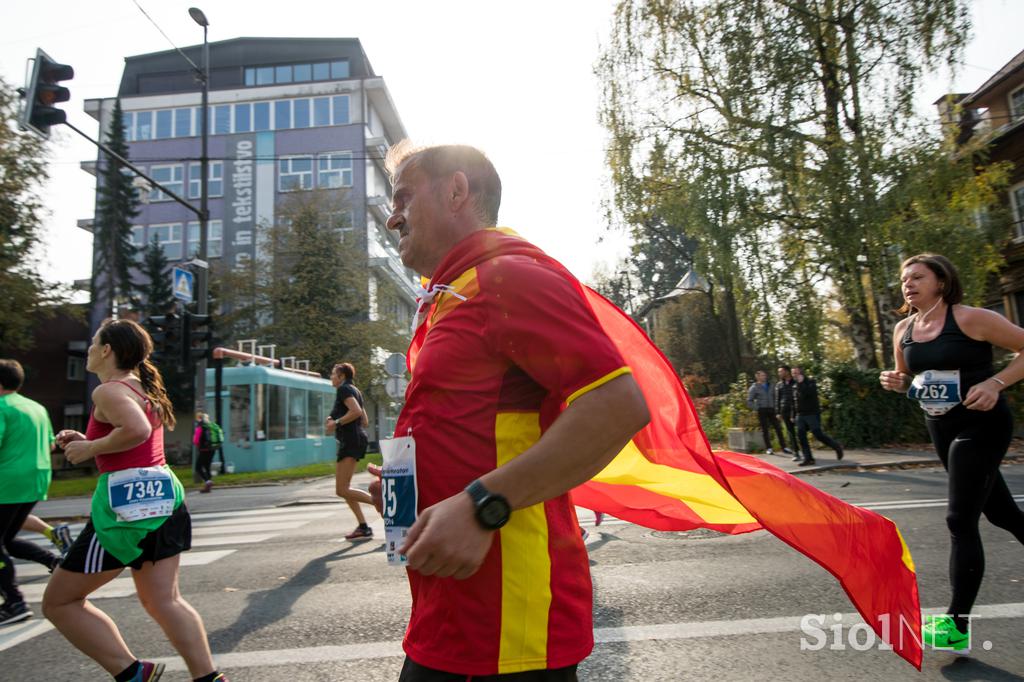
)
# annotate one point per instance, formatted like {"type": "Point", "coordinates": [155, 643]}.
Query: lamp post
{"type": "Point", "coordinates": [203, 284]}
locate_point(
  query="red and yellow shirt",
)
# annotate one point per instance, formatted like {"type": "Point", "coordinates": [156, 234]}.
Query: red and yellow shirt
{"type": "Point", "coordinates": [490, 373]}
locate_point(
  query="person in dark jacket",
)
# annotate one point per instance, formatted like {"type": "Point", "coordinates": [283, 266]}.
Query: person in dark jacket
{"type": "Point", "coordinates": [784, 404]}
{"type": "Point", "coordinates": [761, 397]}
{"type": "Point", "coordinates": [808, 416]}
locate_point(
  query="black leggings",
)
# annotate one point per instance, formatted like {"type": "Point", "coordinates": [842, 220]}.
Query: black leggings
{"type": "Point", "coordinates": [971, 445]}
{"type": "Point", "coordinates": [12, 516]}
{"type": "Point", "coordinates": [769, 420]}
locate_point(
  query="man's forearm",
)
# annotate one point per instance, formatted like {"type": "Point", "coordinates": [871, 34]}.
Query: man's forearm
{"type": "Point", "coordinates": [577, 446]}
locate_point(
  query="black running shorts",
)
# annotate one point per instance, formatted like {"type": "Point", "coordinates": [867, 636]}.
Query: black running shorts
{"type": "Point", "coordinates": [173, 537]}
{"type": "Point", "coordinates": [352, 446]}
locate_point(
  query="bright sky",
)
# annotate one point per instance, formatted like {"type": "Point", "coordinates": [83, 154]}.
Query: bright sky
{"type": "Point", "coordinates": [512, 78]}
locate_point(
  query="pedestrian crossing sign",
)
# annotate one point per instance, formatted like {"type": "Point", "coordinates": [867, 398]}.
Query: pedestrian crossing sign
{"type": "Point", "coordinates": [181, 282]}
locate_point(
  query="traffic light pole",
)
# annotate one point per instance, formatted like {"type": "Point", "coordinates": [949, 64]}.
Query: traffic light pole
{"type": "Point", "coordinates": [203, 275]}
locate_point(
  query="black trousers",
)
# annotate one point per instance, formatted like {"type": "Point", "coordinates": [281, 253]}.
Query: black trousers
{"type": "Point", "coordinates": [812, 423]}
{"type": "Point", "coordinates": [787, 419]}
{"type": "Point", "coordinates": [203, 461]}
{"type": "Point", "coordinates": [12, 516]}
{"type": "Point", "coordinates": [768, 419]}
{"type": "Point", "coordinates": [414, 672]}
{"type": "Point", "coordinates": [971, 445]}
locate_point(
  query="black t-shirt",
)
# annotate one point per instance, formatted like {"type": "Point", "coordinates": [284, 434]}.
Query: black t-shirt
{"type": "Point", "coordinates": [354, 428]}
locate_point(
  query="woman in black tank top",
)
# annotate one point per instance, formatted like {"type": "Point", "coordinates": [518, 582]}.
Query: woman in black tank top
{"type": "Point", "coordinates": [944, 361]}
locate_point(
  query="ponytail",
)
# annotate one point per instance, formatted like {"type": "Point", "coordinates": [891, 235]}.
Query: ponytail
{"type": "Point", "coordinates": [153, 387]}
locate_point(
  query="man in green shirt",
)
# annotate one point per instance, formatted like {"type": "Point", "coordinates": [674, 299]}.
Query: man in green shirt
{"type": "Point", "coordinates": [26, 438]}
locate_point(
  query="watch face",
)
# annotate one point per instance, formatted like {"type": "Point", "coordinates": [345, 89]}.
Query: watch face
{"type": "Point", "coordinates": [494, 512]}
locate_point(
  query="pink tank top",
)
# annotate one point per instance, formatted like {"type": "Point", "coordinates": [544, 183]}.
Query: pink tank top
{"type": "Point", "coordinates": [146, 454]}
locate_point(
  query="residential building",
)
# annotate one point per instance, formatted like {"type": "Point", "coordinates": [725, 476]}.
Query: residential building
{"type": "Point", "coordinates": [285, 115]}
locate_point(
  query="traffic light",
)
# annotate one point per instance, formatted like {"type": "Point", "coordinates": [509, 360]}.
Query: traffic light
{"type": "Point", "coordinates": [197, 337]}
{"type": "Point", "coordinates": [42, 92]}
{"type": "Point", "coordinates": [165, 330]}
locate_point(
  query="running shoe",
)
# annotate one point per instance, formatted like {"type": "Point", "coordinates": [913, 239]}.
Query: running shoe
{"type": "Point", "coordinates": [14, 613]}
{"type": "Point", "coordinates": [61, 538]}
{"type": "Point", "coordinates": [797, 457]}
{"type": "Point", "coordinates": [148, 672]}
{"type": "Point", "coordinates": [598, 518]}
{"type": "Point", "coordinates": [940, 632]}
{"type": "Point", "coordinates": [206, 487]}
{"type": "Point", "coordinates": [839, 452]}
{"type": "Point", "coordinates": [361, 532]}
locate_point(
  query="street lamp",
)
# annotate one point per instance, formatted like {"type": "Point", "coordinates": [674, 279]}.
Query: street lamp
{"type": "Point", "coordinates": [204, 208]}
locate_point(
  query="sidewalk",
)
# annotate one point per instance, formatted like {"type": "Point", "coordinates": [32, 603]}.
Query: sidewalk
{"type": "Point", "coordinates": [854, 459]}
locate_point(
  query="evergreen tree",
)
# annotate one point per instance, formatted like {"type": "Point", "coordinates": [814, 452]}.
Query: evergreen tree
{"type": "Point", "coordinates": [157, 291]}
{"type": "Point", "coordinates": [26, 295]}
{"type": "Point", "coordinates": [117, 206]}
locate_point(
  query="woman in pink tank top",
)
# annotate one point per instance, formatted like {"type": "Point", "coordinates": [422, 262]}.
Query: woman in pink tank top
{"type": "Point", "coordinates": [138, 520]}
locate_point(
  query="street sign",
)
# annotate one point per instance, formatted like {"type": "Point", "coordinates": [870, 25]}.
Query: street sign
{"type": "Point", "coordinates": [395, 387]}
{"type": "Point", "coordinates": [181, 283]}
{"type": "Point", "coordinates": [395, 365]}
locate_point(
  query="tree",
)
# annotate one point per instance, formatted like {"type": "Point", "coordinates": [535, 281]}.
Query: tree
{"type": "Point", "coordinates": [27, 296]}
{"type": "Point", "coordinates": [788, 163]}
{"type": "Point", "coordinates": [157, 290]}
{"type": "Point", "coordinates": [310, 294]}
{"type": "Point", "coordinates": [117, 206]}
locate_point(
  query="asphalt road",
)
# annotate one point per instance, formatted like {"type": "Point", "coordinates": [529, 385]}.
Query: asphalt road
{"type": "Point", "coordinates": [284, 598]}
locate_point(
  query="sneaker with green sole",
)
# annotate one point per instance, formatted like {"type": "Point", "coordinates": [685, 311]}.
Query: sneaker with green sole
{"type": "Point", "coordinates": [940, 632]}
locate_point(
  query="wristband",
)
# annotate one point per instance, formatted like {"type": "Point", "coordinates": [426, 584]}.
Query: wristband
{"type": "Point", "coordinates": [998, 381]}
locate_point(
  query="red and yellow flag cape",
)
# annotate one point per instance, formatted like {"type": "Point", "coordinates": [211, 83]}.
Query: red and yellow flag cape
{"type": "Point", "coordinates": [668, 478]}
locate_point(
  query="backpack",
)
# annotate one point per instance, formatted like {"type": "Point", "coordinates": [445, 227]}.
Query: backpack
{"type": "Point", "coordinates": [216, 434]}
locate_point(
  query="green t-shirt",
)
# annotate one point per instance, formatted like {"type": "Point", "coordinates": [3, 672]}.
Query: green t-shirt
{"type": "Point", "coordinates": [26, 438]}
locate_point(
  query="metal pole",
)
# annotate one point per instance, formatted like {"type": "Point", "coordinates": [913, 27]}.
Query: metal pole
{"type": "Point", "coordinates": [203, 273]}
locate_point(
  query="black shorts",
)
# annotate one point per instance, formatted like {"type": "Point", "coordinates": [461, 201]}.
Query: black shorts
{"type": "Point", "coordinates": [352, 446]}
{"type": "Point", "coordinates": [414, 672]}
{"type": "Point", "coordinates": [88, 556]}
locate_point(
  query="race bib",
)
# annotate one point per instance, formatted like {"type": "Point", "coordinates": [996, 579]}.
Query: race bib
{"type": "Point", "coordinates": [937, 391]}
{"type": "Point", "coordinates": [398, 494]}
{"type": "Point", "coordinates": [142, 493]}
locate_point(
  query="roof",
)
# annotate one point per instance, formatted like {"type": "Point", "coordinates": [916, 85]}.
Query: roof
{"type": "Point", "coordinates": [690, 283]}
{"type": "Point", "coordinates": [1010, 68]}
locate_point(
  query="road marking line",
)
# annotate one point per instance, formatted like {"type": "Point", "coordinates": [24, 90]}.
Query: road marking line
{"type": "Point", "coordinates": [631, 633]}
{"type": "Point", "coordinates": [13, 635]}
{"type": "Point", "coordinates": [297, 518]}
{"type": "Point", "coordinates": [232, 540]}
{"type": "Point", "coordinates": [249, 528]}
{"type": "Point", "coordinates": [118, 587]}
{"type": "Point", "coordinates": [187, 559]}
{"type": "Point", "coordinates": [327, 507]}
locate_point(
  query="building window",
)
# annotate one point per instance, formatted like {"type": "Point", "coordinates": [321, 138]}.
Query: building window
{"type": "Point", "coordinates": [169, 238]}
{"type": "Point", "coordinates": [340, 110]}
{"type": "Point", "coordinates": [1017, 103]}
{"type": "Point", "coordinates": [215, 186]}
{"type": "Point", "coordinates": [334, 170]}
{"type": "Point", "coordinates": [128, 119]}
{"type": "Point", "coordinates": [214, 239]}
{"type": "Point", "coordinates": [138, 236]}
{"type": "Point", "coordinates": [283, 74]}
{"type": "Point", "coordinates": [303, 72]}
{"type": "Point", "coordinates": [295, 172]}
{"type": "Point", "coordinates": [76, 368]}
{"type": "Point", "coordinates": [339, 70]}
{"type": "Point", "coordinates": [322, 111]}
{"type": "Point", "coordinates": [261, 116]}
{"type": "Point", "coordinates": [222, 119]}
{"type": "Point", "coordinates": [171, 177]}
{"type": "Point", "coordinates": [182, 122]}
{"type": "Point", "coordinates": [321, 72]}
{"type": "Point", "coordinates": [1017, 201]}
{"type": "Point", "coordinates": [144, 125]}
{"type": "Point", "coordinates": [163, 124]}
{"type": "Point", "coordinates": [243, 118]}
{"type": "Point", "coordinates": [250, 77]}
{"type": "Point", "coordinates": [300, 108]}
{"type": "Point", "coordinates": [282, 114]}
{"type": "Point", "coordinates": [265, 75]}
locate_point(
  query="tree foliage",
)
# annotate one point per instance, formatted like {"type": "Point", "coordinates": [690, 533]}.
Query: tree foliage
{"type": "Point", "coordinates": [27, 297]}
{"type": "Point", "coordinates": [116, 207]}
{"type": "Point", "coordinates": [156, 288]}
{"type": "Point", "coordinates": [775, 144]}
{"type": "Point", "coordinates": [309, 291]}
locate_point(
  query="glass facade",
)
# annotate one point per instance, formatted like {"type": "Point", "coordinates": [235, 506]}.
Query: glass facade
{"type": "Point", "coordinates": [297, 73]}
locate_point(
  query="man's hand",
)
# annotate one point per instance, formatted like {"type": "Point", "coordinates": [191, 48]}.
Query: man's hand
{"type": "Point", "coordinates": [67, 436]}
{"type": "Point", "coordinates": [446, 540]}
{"type": "Point", "coordinates": [375, 487]}
{"type": "Point", "coordinates": [78, 451]}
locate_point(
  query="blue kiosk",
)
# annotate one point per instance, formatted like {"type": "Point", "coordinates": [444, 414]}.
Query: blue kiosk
{"type": "Point", "coordinates": [272, 418]}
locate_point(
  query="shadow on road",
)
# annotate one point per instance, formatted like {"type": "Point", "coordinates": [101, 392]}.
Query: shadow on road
{"type": "Point", "coordinates": [973, 669]}
{"type": "Point", "coordinates": [269, 606]}
{"type": "Point", "coordinates": [612, 663]}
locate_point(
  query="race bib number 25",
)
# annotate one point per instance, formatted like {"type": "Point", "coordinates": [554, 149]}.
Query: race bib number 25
{"type": "Point", "coordinates": [398, 494]}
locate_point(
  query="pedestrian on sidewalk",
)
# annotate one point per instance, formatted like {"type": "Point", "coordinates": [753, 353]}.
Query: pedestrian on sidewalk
{"type": "Point", "coordinates": [761, 397]}
{"type": "Point", "coordinates": [207, 438]}
{"type": "Point", "coordinates": [348, 422]}
{"type": "Point", "coordinates": [943, 358]}
{"type": "Point", "coordinates": [785, 404]}
{"type": "Point", "coordinates": [808, 417]}
{"type": "Point", "coordinates": [26, 439]}
{"type": "Point", "coordinates": [138, 520]}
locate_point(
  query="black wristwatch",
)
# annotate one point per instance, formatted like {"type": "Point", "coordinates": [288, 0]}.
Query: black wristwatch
{"type": "Point", "coordinates": [492, 510]}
